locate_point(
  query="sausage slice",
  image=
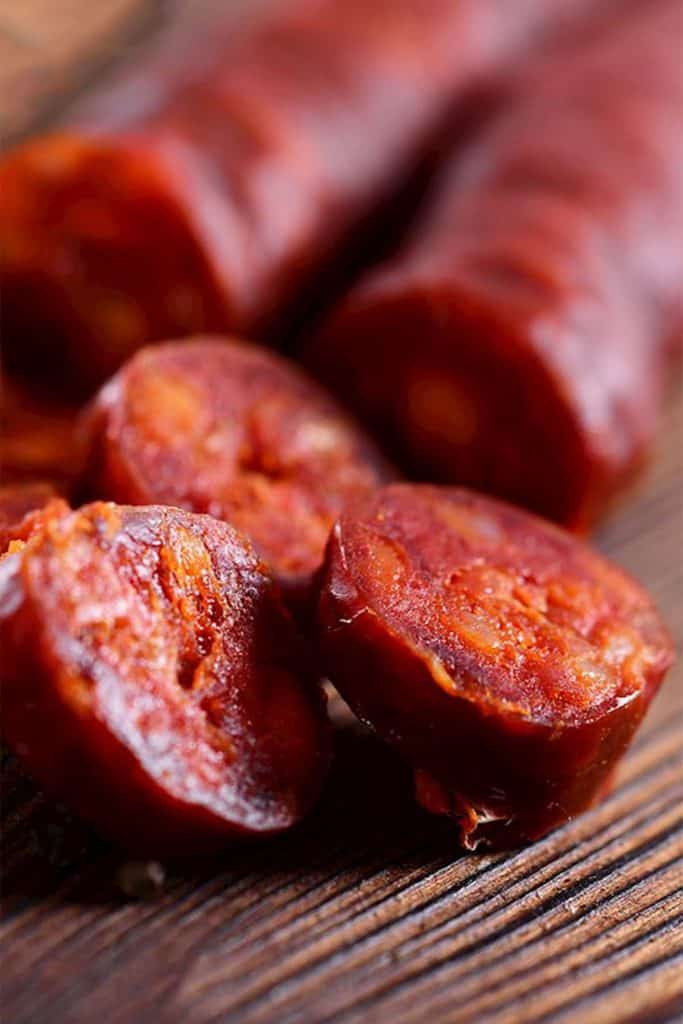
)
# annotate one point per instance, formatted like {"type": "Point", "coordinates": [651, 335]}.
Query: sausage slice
{"type": "Point", "coordinates": [229, 429]}
{"type": "Point", "coordinates": [509, 662]}
{"type": "Point", "coordinates": [151, 679]}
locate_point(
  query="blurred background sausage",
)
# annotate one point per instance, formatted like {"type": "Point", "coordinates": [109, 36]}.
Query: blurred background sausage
{"type": "Point", "coordinates": [520, 340]}
{"type": "Point", "coordinates": [211, 184]}
{"type": "Point", "coordinates": [37, 436]}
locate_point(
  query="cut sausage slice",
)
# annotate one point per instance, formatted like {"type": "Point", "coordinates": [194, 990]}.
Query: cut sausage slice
{"type": "Point", "coordinates": [232, 430]}
{"type": "Point", "coordinates": [151, 679]}
{"type": "Point", "coordinates": [510, 663]}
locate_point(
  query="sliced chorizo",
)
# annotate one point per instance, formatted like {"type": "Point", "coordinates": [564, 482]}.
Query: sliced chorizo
{"type": "Point", "coordinates": [509, 662]}
{"type": "Point", "coordinates": [209, 184]}
{"type": "Point", "coordinates": [151, 679]}
{"type": "Point", "coordinates": [230, 429]}
{"type": "Point", "coordinates": [520, 341]}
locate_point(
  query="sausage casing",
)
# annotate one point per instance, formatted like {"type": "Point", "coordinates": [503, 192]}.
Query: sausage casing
{"type": "Point", "coordinates": [207, 187]}
{"type": "Point", "coordinates": [520, 341]}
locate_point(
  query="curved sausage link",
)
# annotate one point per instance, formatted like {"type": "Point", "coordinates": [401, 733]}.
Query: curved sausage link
{"type": "Point", "coordinates": [207, 187]}
{"type": "Point", "coordinates": [520, 341]}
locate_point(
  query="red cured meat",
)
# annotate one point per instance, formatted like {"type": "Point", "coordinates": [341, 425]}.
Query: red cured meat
{"type": "Point", "coordinates": [23, 510]}
{"type": "Point", "coordinates": [151, 679]}
{"type": "Point", "coordinates": [223, 427]}
{"type": "Point", "coordinates": [521, 340]}
{"type": "Point", "coordinates": [506, 660]}
{"type": "Point", "coordinates": [37, 441]}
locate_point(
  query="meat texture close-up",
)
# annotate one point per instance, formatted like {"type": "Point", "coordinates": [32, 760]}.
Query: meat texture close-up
{"type": "Point", "coordinates": [23, 508]}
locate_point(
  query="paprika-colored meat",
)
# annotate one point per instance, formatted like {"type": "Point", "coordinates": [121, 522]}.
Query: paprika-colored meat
{"type": "Point", "coordinates": [520, 341]}
{"type": "Point", "coordinates": [24, 508]}
{"type": "Point", "coordinates": [227, 428]}
{"type": "Point", "coordinates": [206, 187]}
{"type": "Point", "coordinates": [509, 662]}
{"type": "Point", "coordinates": [151, 679]}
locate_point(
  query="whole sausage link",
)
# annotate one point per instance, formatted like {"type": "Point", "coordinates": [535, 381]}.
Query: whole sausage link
{"type": "Point", "coordinates": [520, 341]}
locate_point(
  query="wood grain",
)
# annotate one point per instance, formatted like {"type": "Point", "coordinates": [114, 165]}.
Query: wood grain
{"type": "Point", "coordinates": [368, 912]}
{"type": "Point", "coordinates": [50, 48]}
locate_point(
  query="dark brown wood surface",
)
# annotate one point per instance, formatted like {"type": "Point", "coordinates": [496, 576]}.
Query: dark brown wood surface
{"type": "Point", "coordinates": [368, 912]}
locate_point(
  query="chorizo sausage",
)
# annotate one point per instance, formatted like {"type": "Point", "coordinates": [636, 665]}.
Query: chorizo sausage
{"type": "Point", "coordinates": [509, 662]}
{"type": "Point", "coordinates": [519, 342]}
{"type": "Point", "coordinates": [152, 680]}
{"type": "Point", "coordinates": [230, 429]}
{"type": "Point", "coordinates": [235, 167]}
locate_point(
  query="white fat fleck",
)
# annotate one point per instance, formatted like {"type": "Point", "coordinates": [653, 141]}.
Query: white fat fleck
{"type": "Point", "coordinates": [627, 699]}
{"type": "Point", "coordinates": [356, 615]}
{"type": "Point", "coordinates": [101, 611]}
{"type": "Point", "coordinates": [486, 817]}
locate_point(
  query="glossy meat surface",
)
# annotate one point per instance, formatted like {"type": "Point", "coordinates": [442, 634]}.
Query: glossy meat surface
{"type": "Point", "coordinates": [509, 662]}
{"type": "Point", "coordinates": [521, 340]}
{"type": "Point", "coordinates": [218, 426]}
{"type": "Point", "coordinates": [151, 679]}
{"type": "Point", "coordinates": [208, 186]}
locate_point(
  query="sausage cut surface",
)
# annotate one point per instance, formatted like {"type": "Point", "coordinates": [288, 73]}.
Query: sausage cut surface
{"type": "Point", "coordinates": [510, 663]}
{"type": "Point", "coordinates": [229, 429]}
{"type": "Point", "coordinates": [24, 508]}
{"type": "Point", "coordinates": [151, 679]}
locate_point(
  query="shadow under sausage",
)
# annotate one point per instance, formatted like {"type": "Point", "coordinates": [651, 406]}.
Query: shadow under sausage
{"type": "Point", "coordinates": [366, 815]}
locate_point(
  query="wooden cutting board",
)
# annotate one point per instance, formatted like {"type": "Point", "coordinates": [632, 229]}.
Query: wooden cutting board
{"type": "Point", "coordinates": [367, 912]}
